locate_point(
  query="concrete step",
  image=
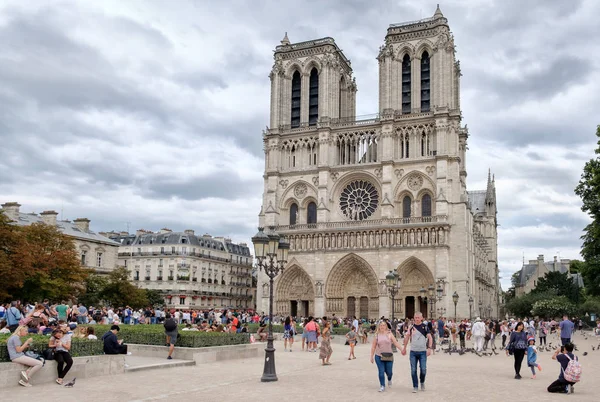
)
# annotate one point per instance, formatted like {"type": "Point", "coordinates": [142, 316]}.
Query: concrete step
{"type": "Point", "coordinates": [141, 363]}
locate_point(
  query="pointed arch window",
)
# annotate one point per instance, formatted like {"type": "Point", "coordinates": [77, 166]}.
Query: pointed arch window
{"type": "Point", "coordinates": [425, 83]}
{"type": "Point", "coordinates": [406, 84]}
{"type": "Point", "coordinates": [293, 214]}
{"type": "Point", "coordinates": [313, 98]}
{"type": "Point", "coordinates": [311, 213]}
{"type": "Point", "coordinates": [296, 91]}
{"type": "Point", "coordinates": [406, 203]}
{"type": "Point", "coordinates": [426, 205]}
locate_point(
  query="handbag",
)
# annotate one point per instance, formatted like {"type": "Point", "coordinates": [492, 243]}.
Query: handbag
{"type": "Point", "coordinates": [385, 356]}
{"type": "Point", "coordinates": [48, 354]}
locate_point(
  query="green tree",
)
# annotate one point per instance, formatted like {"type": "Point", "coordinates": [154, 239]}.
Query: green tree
{"type": "Point", "coordinates": [559, 284]}
{"type": "Point", "coordinates": [94, 287]}
{"type": "Point", "coordinates": [589, 191]}
{"type": "Point", "coordinates": [523, 305]}
{"type": "Point", "coordinates": [13, 265]}
{"type": "Point", "coordinates": [154, 297]}
{"type": "Point", "coordinates": [120, 292]}
{"type": "Point", "coordinates": [553, 307]}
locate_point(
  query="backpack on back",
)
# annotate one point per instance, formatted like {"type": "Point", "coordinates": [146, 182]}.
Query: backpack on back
{"type": "Point", "coordinates": [573, 371]}
{"type": "Point", "coordinates": [170, 325]}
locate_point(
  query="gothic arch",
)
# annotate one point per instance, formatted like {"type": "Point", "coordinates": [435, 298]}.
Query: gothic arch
{"type": "Point", "coordinates": [405, 49]}
{"type": "Point", "coordinates": [401, 187]}
{"type": "Point", "coordinates": [288, 195]}
{"type": "Point", "coordinates": [351, 271]}
{"type": "Point", "coordinates": [414, 275]}
{"type": "Point", "coordinates": [291, 68]}
{"type": "Point", "coordinates": [310, 63]}
{"type": "Point", "coordinates": [292, 286]}
{"type": "Point", "coordinates": [422, 46]}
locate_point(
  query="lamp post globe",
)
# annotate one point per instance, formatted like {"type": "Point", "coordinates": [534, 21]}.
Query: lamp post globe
{"type": "Point", "coordinates": [470, 308]}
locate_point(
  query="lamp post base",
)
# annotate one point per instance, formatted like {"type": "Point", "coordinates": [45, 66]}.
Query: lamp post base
{"type": "Point", "coordinates": [269, 373]}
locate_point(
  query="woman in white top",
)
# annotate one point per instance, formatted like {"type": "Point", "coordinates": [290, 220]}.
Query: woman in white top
{"type": "Point", "coordinates": [504, 332]}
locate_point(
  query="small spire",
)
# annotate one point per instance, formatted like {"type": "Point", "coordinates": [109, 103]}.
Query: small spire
{"type": "Point", "coordinates": [438, 12]}
{"type": "Point", "coordinates": [285, 40]}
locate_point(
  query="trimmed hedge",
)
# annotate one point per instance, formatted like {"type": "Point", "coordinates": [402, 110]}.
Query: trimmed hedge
{"type": "Point", "coordinates": [79, 347]}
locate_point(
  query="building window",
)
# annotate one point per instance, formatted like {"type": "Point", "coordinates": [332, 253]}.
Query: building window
{"type": "Point", "coordinates": [406, 207]}
{"type": "Point", "coordinates": [182, 300]}
{"type": "Point", "coordinates": [293, 214]}
{"type": "Point", "coordinates": [99, 260]}
{"type": "Point", "coordinates": [425, 82]}
{"type": "Point", "coordinates": [136, 277]}
{"type": "Point", "coordinates": [313, 98]}
{"type": "Point", "coordinates": [406, 84]}
{"type": "Point", "coordinates": [160, 262]}
{"type": "Point", "coordinates": [311, 216]}
{"type": "Point", "coordinates": [83, 258]}
{"type": "Point", "coordinates": [184, 250]}
{"type": "Point", "coordinates": [404, 145]}
{"type": "Point", "coordinates": [162, 250]}
{"type": "Point", "coordinates": [296, 99]}
{"type": "Point", "coordinates": [173, 250]}
{"type": "Point", "coordinates": [426, 205]}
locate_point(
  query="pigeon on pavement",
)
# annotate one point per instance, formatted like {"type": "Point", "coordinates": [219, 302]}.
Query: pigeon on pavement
{"type": "Point", "coordinates": [71, 383]}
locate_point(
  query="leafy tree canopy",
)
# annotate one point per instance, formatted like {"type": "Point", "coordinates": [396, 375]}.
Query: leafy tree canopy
{"type": "Point", "coordinates": [120, 292]}
{"type": "Point", "coordinates": [554, 307]}
{"type": "Point", "coordinates": [559, 284]}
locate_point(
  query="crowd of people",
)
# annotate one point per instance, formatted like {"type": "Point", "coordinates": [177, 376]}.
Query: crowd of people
{"type": "Point", "coordinates": [519, 338]}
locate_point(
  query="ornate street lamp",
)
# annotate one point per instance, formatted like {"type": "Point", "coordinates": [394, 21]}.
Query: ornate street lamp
{"type": "Point", "coordinates": [431, 291]}
{"type": "Point", "coordinates": [422, 293]}
{"type": "Point", "coordinates": [470, 308]}
{"type": "Point", "coordinates": [455, 300]}
{"type": "Point", "coordinates": [392, 281]}
{"type": "Point", "coordinates": [480, 304]}
{"type": "Point", "coordinates": [271, 252]}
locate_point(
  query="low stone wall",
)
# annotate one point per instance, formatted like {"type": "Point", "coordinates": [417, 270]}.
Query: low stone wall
{"type": "Point", "coordinates": [200, 355]}
{"type": "Point", "coordinates": [83, 367]}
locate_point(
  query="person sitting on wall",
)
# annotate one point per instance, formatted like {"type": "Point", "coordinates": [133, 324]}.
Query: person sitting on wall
{"type": "Point", "coordinates": [112, 345]}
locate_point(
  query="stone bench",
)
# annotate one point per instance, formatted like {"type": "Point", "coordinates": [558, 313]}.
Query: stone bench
{"type": "Point", "coordinates": [200, 355]}
{"type": "Point", "coordinates": [83, 367]}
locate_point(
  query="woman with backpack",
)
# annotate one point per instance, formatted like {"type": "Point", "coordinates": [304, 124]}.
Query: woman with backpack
{"type": "Point", "coordinates": [517, 346]}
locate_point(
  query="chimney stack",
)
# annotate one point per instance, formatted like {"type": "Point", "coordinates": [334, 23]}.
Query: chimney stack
{"type": "Point", "coordinates": [83, 224]}
{"type": "Point", "coordinates": [11, 209]}
{"type": "Point", "coordinates": [49, 217]}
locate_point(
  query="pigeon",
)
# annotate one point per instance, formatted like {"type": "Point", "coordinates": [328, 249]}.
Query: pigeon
{"type": "Point", "coordinates": [585, 353]}
{"type": "Point", "coordinates": [71, 383]}
{"type": "Point", "coordinates": [593, 348]}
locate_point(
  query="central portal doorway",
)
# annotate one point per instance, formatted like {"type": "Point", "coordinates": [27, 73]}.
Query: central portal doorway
{"type": "Point", "coordinates": [410, 306]}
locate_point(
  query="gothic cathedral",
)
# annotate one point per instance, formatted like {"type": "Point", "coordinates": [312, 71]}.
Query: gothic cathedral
{"type": "Point", "coordinates": [359, 197]}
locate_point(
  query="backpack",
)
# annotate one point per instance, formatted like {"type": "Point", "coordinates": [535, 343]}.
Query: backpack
{"type": "Point", "coordinates": [573, 371]}
{"type": "Point", "coordinates": [170, 325]}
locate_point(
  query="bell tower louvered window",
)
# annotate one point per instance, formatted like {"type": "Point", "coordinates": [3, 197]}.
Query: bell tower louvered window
{"type": "Point", "coordinates": [311, 213]}
{"type": "Point", "coordinates": [425, 83]}
{"type": "Point", "coordinates": [293, 214]}
{"type": "Point", "coordinates": [426, 205]}
{"type": "Point", "coordinates": [406, 207]}
{"type": "Point", "coordinates": [313, 98]}
{"type": "Point", "coordinates": [296, 91]}
{"type": "Point", "coordinates": [406, 84]}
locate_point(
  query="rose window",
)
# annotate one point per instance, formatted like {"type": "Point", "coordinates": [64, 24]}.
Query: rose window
{"type": "Point", "coordinates": [359, 200]}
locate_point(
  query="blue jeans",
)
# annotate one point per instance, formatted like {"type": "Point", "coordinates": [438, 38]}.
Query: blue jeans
{"type": "Point", "coordinates": [384, 368]}
{"type": "Point", "coordinates": [152, 320]}
{"type": "Point", "coordinates": [564, 341]}
{"type": "Point", "coordinates": [420, 357]}
{"type": "Point", "coordinates": [126, 320]}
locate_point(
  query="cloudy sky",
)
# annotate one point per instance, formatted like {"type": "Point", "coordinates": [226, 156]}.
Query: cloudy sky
{"type": "Point", "coordinates": [149, 114]}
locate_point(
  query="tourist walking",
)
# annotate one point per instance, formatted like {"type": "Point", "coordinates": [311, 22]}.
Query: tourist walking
{"type": "Point", "coordinates": [517, 346]}
{"type": "Point", "coordinates": [462, 332]}
{"type": "Point", "coordinates": [311, 335]}
{"type": "Point", "coordinates": [504, 332]}
{"type": "Point", "coordinates": [326, 350]}
{"type": "Point", "coordinates": [563, 355]}
{"type": "Point", "coordinates": [532, 357]}
{"type": "Point", "coordinates": [478, 332]}
{"type": "Point", "coordinates": [566, 330]}
{"type": "Point", "coordinates": [382, 355]}
{"type": "Point", "coordinates": [16, 353]}
{"type": "Point", "coordinates": [61, 343]}
{"type": "Point", "coordinates": [288, 333]}
{"type": "Point", "coordinates": [542, 332]}
{"type": "Point", "coordinates": [351, 341]}
{"type": "Point", "coordinates": [171, 333]}
{"type": "Point", "coordinates": [421, 343]}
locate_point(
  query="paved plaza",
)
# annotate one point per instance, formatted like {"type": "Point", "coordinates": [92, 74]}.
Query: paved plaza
{"type": "Point", "coordinates": [301, 376]}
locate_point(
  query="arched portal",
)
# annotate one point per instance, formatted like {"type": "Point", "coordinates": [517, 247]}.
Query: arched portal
{"type": "Point", "coordinates": [414, 275]}
{"type": "Point", "coordinates": [294, 293]}
{"type": "Point", "coordinates": [351, 289]}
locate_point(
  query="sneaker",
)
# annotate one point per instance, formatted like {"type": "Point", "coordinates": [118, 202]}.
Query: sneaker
{"type": "Point", "coordinates": [24, 383]}
{"type": "Point", "coordinates": [381, 389]}
{"type": "Point", "coordinates": [24, 376]}
{"type": "Point", "coordinates": [415, 390]}
{"type": "Point", "coordinates": [389, 384]}
{"type": "Point", "coordinates": [422, 387]}
{"type": "Point", "coordinates": [169, 358]}
{"type": "Point", "coordinates": [539, 367]}
{"type": "Point", "coordinates": [517, 377]}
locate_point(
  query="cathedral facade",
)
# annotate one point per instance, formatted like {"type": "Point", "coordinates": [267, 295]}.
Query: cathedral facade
{"type": "Point", "coordinates": [358, 197]}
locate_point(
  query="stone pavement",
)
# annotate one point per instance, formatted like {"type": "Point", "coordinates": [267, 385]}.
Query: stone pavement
{"type": "Point", "coordinates": [301, 376]}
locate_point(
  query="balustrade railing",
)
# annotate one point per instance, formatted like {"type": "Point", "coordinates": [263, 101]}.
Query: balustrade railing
{"type": "Point", "coordinates": [379, 223]}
